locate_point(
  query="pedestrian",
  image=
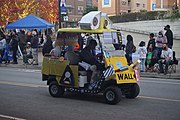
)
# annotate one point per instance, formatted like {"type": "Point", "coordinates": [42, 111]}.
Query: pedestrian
{"type": "Point", "coordinates": [22, 41]}
{"type": "Point", "coordinates": [160, 40]}
{"type": "Point", "coordinates": [169, 35]}
{"type": "Point", "coordinates": [142, 51]}
{"type": "Point", "coordinates": [34, 46]}
{"type": "Point", "coordinates": [47, 47]}
{"type": "Point", "coordinates": [130, 48]}
{"type": "Point", "coordinates": [56, 51]}
{"type": "Point", "coordinates": [151, 46]}
{"type": "Point", "coordinates": [149, 59]}
{"type": "Point", "coordinates": [28, 36]}
{"type": "Point", "coordinates": [166, 58]}
{"type": "Point", "coordinates": [151, 42]}
{"type": "Point", "coordinates": [14, 46]}
{"type": "Point", "coordinates": [2, 47]}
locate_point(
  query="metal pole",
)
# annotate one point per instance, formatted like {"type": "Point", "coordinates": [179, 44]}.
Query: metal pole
{"type": "Point", "coordinates": [59, 13]}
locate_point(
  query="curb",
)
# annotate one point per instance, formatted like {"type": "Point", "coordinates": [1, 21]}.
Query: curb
{"type": "Point", "coordinates": [21, 66]}
{"type": "Point", "coordinates": [162, 76]}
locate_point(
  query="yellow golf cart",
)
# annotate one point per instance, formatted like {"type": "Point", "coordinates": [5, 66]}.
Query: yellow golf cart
{"type": "Point", "coordinates": [68, 73]}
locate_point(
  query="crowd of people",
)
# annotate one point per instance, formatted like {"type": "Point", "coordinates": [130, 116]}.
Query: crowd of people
{"type": "Point", "coordinates": [158, 50]}
{"type": "Point", "coordinates": [13, 43]}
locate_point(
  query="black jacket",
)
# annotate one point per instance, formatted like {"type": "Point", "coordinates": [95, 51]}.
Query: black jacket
{"type": "Point", "coordinates": [34, 42]}
{"type": "Point", "coordinates": [47, 47]}
{"type": "Point", "coordinates": [153, 44]}
{"type": "Point", "coordinates": [169, 36]}
{"type": "Point", "coordinates": [14, 42]}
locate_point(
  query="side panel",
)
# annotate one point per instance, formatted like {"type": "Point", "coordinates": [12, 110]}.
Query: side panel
{"type": "Point", "coordinates": [74, 69]}
{"type": "Point", "coordinates": [53, 66]}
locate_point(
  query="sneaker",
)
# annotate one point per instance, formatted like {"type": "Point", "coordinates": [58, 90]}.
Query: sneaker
{"type": "Point", "coordinates": [36, 64]}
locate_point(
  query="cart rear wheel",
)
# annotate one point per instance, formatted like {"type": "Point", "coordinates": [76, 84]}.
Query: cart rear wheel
{"type": "Point", "coordinates": [133, 91]}
{"type": "Point", "coordinates": [112, 95]}
{"type": "Point", "coordinates": [55, 90]}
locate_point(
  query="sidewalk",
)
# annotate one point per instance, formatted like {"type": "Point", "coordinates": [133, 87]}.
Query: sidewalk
{"type": "Point", "coordinates": [144, 74]}
{"type": "Point", "coordinates": [173, 75]}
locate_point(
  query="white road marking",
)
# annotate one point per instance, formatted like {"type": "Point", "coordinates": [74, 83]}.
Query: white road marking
{"type": "Point", "coordinates": [10, 117]}
{"type": "Point", "coordinates": [159, 79]}
{"type": "Point", "coordinates": [156, 98]}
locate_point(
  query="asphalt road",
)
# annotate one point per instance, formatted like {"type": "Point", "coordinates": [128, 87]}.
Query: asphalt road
{"type": "Point", "coordinates": [24, 96]}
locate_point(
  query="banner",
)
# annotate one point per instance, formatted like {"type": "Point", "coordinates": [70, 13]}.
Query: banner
{"type": "Point", "coordinates": [63, 7]}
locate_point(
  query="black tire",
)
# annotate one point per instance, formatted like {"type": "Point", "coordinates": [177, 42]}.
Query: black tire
{"type": "Point", "coordinates": [55, 90]}
{"type": "Point", "coordinates": [133, 91]}
{"type": "Point", "coordinates": [112, 95]}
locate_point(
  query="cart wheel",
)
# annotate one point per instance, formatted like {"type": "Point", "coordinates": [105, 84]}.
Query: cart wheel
{"type": "Point", "coordinates": [133, 91]}
{"type": "Point", "coordinates": [55, 90]}
{"type": "Point", "coordinates": [112, 95]}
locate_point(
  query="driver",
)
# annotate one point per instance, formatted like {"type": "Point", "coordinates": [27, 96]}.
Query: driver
{"type": "Point", "coordinates": [88, 55]}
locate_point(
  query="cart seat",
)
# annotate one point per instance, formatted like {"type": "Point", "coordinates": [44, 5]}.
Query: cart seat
{"type": "Point", "coordinates": [72, 57]}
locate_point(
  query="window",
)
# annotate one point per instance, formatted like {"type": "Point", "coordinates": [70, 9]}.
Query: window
{"type": "Point", "coordinates": [137, 4]}
{"type": "Point", "coordinates": [80, 9]}
{"type": "Point", "coordinates": [106, 3]}
{"type": "Point", "coordinates": [144, 5]}
{"type": "Point", "coordinates": [70, 10]}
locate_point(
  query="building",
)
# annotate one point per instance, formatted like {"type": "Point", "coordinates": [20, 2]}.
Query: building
{"type": "Point", "coordinates": [95, 3]}
{"type": "Point", "coordinates": [118, 7]}
{"type": "Point", "coordinates": [137, 5]}
{"type": "Point", "coordinates": [113, 7]}
{"type": "Point", "coordinates": [75, 10]}
{"type": "Point", "coordinates": [160, 5]}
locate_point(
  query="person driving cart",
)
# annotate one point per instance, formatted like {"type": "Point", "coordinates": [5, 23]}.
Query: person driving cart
{"type": "Point", "coordinates": [88, 55]}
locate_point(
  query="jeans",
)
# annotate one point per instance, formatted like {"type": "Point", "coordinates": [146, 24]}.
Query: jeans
{"type": "Point", "coordinates": [161, 62]}
{"type": "Point", "coordinates": [142, 64]}
{"type": "Point", "coordinates": [35, 55]}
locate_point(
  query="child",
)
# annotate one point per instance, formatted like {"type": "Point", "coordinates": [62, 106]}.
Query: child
{"type": "Point", "coordinates": [142, 51]}
{"type": "Point", "coordinates": [149, 58]}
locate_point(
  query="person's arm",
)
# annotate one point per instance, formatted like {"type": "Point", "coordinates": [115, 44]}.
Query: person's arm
{"type": "Point", "coordinates": [170, 55]}
{"type": "Point", "coordinates": [162, 54]}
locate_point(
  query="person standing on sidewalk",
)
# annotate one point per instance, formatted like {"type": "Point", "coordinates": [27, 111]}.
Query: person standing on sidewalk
{"type": "Point", "coordinates": [14, 46]}
{"type": "Point", "coordinates": [160, 40]}
{"type": "Point", "coordinates": [142, 51]}
{"type": "Point", "coordinates": [47, 47]}
{"type": "Point", "coordinates": [129, 49]}
{"type": "Point", "coordinates": [34, 46]}
{"type": "Point", "coordinates": [169, 35]}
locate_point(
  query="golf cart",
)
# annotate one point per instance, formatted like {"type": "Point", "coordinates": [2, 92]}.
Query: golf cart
{"type": "Point", "coordinates": [63, 74]}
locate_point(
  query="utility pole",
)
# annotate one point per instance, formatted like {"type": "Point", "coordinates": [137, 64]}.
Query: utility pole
{"type": "Point", "coordinates": [59, 13]}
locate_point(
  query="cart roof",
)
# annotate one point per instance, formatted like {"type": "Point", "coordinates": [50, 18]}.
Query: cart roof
{"type": "Point", "coordinates": [100, 30]}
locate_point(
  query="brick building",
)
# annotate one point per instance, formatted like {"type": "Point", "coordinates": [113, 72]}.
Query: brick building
{"type": "Point", "coordinates": [162, 4]}
{"type": "Point", "coordinates": [75, 10]}
{"type": "Point", "coordinates": [117, 7]}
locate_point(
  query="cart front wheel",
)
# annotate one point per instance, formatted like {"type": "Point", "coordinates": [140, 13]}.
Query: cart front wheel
{"type": "Point", "coordinates": [112, 95]}
{"type": "Point", "coordinates": [133, 91]}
